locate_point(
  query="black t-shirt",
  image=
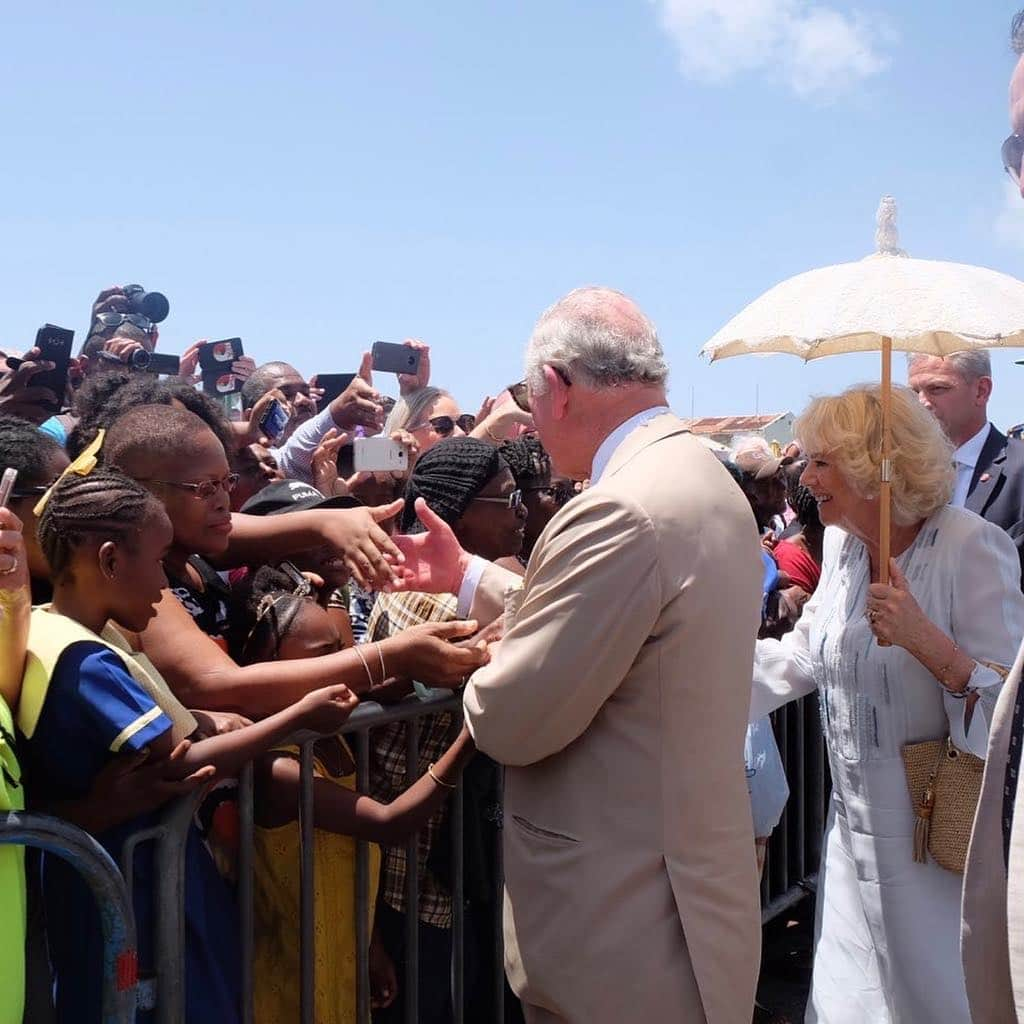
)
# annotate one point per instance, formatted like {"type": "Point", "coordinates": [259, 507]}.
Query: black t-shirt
{"type": "Point", "coordinates": [207, 606]}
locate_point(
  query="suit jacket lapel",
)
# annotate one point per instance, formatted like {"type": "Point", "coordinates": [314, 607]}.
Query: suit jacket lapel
{"type": "Point", "coordinates": [989, 466]}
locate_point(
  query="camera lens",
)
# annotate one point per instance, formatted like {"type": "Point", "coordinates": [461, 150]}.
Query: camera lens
{"type": "Point", "coordinates": [139, 359]}
{"type": "Point", "coordinates": [152, 305]}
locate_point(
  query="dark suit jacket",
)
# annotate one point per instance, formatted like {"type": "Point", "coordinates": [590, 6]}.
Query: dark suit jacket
{"type": "Point", "coordinates": [997, 487]}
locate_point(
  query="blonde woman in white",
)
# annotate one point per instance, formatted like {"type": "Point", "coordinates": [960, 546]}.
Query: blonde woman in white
{"type": "Point", "coordinates": [888, 928]}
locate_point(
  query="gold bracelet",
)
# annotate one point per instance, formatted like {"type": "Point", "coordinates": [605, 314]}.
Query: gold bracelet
{"type": "Point", "coordinates": [496, 440]}
{"type": "Point", "coordinates": [947, 669]}
{"type": "Point", "coordinates": [369, 674]}
{"type": "Point", "coordinates": [440, 782]}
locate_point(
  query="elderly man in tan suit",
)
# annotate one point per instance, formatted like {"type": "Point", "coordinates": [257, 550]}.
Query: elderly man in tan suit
{"type": "Point", "coordinates": [618, 698]}
{"type": "Point", "coordinates": [992, 939]}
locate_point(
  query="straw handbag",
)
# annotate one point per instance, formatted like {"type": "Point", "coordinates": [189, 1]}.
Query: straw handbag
{"type": "Point", "coordinates": [945, 784]}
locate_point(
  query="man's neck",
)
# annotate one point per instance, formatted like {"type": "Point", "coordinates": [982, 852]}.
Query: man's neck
{"type": "Point", "coordinates": [630, 404]}
{"type": "Point", "coordinates": [969, 432]}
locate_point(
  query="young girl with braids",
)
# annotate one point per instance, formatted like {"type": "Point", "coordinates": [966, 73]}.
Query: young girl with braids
{"type": "Point", "coordinates": [287, 624]}
{"type": "Point", "coordinates": [86, 698]}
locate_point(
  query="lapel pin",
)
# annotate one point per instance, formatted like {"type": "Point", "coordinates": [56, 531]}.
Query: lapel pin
{"type": "Point", "coordinates": [985, 477]}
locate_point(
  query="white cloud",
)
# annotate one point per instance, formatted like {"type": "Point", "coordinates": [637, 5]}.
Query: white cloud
{"type": "Point", "coordinates": [1009, 222]}
{"type": "Point", "coordinates": [816, 50]}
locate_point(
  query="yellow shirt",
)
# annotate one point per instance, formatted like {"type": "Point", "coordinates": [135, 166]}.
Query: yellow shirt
{"type": "Point", "coordinates": [277, 973]}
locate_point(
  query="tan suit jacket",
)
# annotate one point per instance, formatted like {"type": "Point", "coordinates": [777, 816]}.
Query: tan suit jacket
{"type": "Point", "coordinates": [992, 937]}
{"type": "Point", "coordinates": [619, 703]}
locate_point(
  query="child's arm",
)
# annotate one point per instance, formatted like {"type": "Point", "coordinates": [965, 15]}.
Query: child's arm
{"type": "Point", "coordinates": [344, 812]}
{"type": "Point", "coordinates": [204, 676]}
{"type": "Point", "coordinates": [325, 711]}
{"type": "Point", "coordinates": [15, 609]}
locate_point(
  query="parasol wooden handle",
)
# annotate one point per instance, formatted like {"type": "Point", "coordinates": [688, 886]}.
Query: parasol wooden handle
{"type": "Point", "coordinates": [885, 484]}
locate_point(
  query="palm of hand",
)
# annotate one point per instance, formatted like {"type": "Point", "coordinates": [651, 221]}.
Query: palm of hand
{"type": "Point", "coordinates": [433, 560]}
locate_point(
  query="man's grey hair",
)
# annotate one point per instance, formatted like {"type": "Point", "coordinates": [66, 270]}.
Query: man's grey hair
{"type": "Point", "coordinates": [1017, 33]}
{"type": "Point", "coordinates": [599, 337]}
{"type": "Point", "coordinates": [970, 364]}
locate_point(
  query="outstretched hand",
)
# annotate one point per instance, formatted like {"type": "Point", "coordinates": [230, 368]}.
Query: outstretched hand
{"type": "Point", "coordinates": [435, 562]}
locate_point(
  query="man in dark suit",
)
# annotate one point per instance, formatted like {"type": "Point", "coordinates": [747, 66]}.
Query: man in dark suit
{"type": "Point", "coordinates": [989, 466]}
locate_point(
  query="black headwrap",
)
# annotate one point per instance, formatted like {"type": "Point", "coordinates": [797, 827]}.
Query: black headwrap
{"type": "Point", "coordinates": [449, 476]}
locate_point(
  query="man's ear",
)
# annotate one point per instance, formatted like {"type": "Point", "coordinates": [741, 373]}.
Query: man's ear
{"type": "Point", "coordinates": [557, 393]}
{"type": "Point", "coordinates": [984, 390]}
{"type": "Point", "coordinates": [106, 556]}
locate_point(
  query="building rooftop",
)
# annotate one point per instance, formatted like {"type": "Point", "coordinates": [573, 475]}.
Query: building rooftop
{"type": "Point", "coordinates": [732, 424]}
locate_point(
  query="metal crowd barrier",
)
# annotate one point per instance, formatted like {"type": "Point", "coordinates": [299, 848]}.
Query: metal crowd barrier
{"type": "Point", "coordinates": [112, 896]}
{"type": "Point", "coordinates": [794, 850]}
{"type": "Point", "coordinates": [790, 868]}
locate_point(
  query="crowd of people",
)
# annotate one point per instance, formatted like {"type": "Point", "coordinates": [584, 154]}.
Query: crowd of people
{"type": "Point", "coordinates": [186, 583]}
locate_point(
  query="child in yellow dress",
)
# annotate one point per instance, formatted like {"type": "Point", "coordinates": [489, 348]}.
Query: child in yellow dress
{"type": "Point", "coordinates": [289, 625]}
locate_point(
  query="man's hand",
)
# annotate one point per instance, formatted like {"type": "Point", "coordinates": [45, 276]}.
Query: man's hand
{"type": "Point", "coordinates": [430, 654]}
{"type": "Point", "coordinates": [123, 348]}
{"type": "Point", "coordinates": [435, 562]}
{"type": "Point", "coordinates": [19, 397]}
{"type": "Point", "coordinates": [253, 434]}
{"type": "Point", "coordinates": [110, 300]}
{"type": "Point", "coordinates": [371, 557]}
{"type": "Point", "coordinates": [410, 382]}
{"type": "Point", "coordinates": [324, 464]}
{"type": "Point", "coordinates": [359, 404]}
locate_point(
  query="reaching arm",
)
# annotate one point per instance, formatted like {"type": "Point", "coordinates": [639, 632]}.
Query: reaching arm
{"type": "Point", "coordinates": [204, 676]}
{"type": "Point", "coordinates": [345, 812]}
{"type": "Point", "coordinates": [15, 608]}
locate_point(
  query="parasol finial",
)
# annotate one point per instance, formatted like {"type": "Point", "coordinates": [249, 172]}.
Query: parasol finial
{"type": "Point", "coordinates": [887, 236]}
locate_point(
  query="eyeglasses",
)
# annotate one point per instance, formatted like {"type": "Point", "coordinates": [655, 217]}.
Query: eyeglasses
{"type": "Point", "coordinates": [466, 422]}
{"type": "Point", "coordinates": [116, 319]}
{"type": "Point", "coordinates": [513, 501]}
{"type": "Point", "coordinates": [521, 392]}
{"type": "Point", "coordinates": [1012, 153]}
{"type": "Point", "coordinates": [205, 488]}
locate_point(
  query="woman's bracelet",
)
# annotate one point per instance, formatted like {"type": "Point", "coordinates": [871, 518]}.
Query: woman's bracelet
{"type": "Point", "coordinates": [440, 782]}
{"type": "Point", "coordinates": [383, 670]}
{"type": "Point", "coordinates": [369, 674]}
{"type": "Point", "coordinates": [946, 670]}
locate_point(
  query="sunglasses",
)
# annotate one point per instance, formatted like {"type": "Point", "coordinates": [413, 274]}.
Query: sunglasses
{"type": "Point", "coordinates": [513, 501]}
{"type": "Point", "coordinates": [116, 319]}
{"type": "Point", "coordinates": [1012, 153]}
{"type": "Point", "coordinates": [443, 425]}
{"type": "Point", "coordinates": [521, 392]}
{"type": "Point", "coordinates": [205, 488]}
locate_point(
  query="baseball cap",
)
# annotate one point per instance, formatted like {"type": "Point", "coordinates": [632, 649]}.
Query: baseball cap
{"type": "Point", "coordinates": [293, 496]}
{"type": "Point", "coordinates": [759, 464]}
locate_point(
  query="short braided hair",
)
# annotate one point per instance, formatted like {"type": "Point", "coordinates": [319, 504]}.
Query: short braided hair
{"type": "Point", "coordinates": [527, 459]}
{"type": "Point", "coordinates": [269, 613]}
{"type": "Point", "coordinates": [104, 397]}
{"type": "Point", "coordinates": [105, 505]}
{"type": "Point", "coordinates": [27, 449]}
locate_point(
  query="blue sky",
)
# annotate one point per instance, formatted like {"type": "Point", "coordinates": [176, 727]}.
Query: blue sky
{"type": "Point", "coordinates": [314, 176]}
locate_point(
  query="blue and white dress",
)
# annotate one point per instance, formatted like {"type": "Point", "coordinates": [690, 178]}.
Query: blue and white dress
{"type": "Point", "coordinates": [887, 936]}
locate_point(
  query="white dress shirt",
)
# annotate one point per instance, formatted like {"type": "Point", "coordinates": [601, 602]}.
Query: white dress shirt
{"type": "Point", "coordinates": [602, 457]}
{"type": "Point", "coordinates": [966, 460]}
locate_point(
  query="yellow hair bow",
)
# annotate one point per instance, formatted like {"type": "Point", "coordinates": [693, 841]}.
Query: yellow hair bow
{"type": "Point", "coordinates": [82, 466]}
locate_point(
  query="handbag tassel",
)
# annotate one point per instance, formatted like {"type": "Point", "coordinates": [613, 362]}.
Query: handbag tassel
{"type": "Point", "coordinates": [923, 825]}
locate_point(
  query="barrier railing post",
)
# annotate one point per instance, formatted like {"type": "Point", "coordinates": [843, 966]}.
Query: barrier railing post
{"type": "Point", "coordinates": [246, 857]}
{"type": "Point", "coordinates": [362, 894]}
{"type": "Point", "coordinates": [412, 886]}
{"type": "Point", "coordinates": [458, 906]}
{"type": "Point", "coordinates": [307, 906]}
{"type": "Point", "coordinates": [113, 899]}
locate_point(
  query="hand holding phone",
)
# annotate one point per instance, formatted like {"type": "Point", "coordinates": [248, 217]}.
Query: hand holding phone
{"type": "Point", "coordinates": [400, 359]}
{"type": "Point", "coordinates": [54, 346]}
{"type": "Point", "coordinates": [7, 482]}
{"type": "Point", "coordinates": [12, 545]}
{"type": "Point", "coordinates": [379, 455]}
{"type": "Point", "coordinates": [215, 360]}
{"type": "Point", "coordinates": [274, 421]}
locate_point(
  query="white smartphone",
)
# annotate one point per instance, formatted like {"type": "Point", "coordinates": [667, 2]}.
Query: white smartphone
{"type": "Point", "coordinates": [379, 455]}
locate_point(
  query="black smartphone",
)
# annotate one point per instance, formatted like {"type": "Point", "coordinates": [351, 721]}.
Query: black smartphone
{"type": "Point", "coordinates": [274, 420]}
{"type": "Point", "coordinates": [391, 358]}
{"type": "Point", "coordinates": [215, 359]}
{"type": "Point", "coordinates": [346, 461]}
{"type": "Point", "coordinates": [332, 385]}
{"type": "Point", "coordinates": [54, 344]}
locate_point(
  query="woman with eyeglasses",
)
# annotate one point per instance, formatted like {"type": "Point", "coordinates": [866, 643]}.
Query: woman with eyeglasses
{"type": "Point", "coordinates": [469, 485]}
{"type": "Point", "coordinates": [429, 414]}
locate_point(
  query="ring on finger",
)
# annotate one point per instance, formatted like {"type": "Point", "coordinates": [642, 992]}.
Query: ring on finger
{"type": "Point", "coordinates": [12, 567]}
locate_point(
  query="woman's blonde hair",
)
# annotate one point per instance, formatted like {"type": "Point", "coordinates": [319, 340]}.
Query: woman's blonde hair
{"type": "Point", "coordinates": [848, 427]}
